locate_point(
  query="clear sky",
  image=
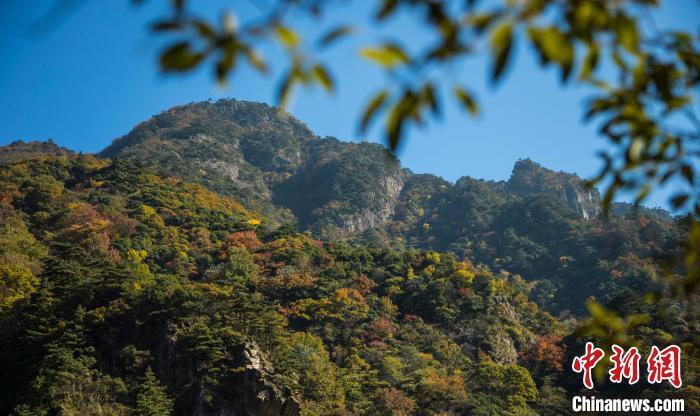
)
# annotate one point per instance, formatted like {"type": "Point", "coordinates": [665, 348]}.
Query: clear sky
{"type": "Point", "coordinates": [89, 76]}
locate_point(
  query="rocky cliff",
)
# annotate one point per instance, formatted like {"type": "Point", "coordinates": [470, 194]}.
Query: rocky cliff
{"type": "Point", "coordinates": [530, 178]}
{"type": "Point", "coordinates": [271, 162]}
{"type": "Point", "coordinates": [275, 165]}
{"type": "Point", "coordinates": [257, 393]}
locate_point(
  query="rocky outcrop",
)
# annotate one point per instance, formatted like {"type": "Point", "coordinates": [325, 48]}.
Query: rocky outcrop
{"type": "Point", "coordinates": [530, 178]}
{"type": "Point", "coordinates": [251, 392]}
{"type": "Point", "coordinates": [260, 396]}
{"type": "Point", "coordinates": [583, 200]}
{"type": "Point", "coordinates": [391, 187]}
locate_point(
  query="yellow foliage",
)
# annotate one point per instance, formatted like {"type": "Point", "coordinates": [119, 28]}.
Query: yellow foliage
{"type": "Point", "coordinates": [147, 211]}
{"type": "Point", "coordinates": [444, 388]}
{"type": "Point", "coordinates": [394, 290]}
{"type": "Point", "coordinates": [16, 283]}
{"type": "Point", "coordinates": [424, 356]}
{"type": "Point", "coordinates": [433, 257]}
{"type": "Point", "coordinates": [465, 276]}
{"type": "Point", "coordinates": [253, 222]}
{"type": "Point", "coordinates": [410, 274]}
{"type": "Point", "coordinates": [215, 290]}
{"type": "Point", "coordinates": [136, 256]}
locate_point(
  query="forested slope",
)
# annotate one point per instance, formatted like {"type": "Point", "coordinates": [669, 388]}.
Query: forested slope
{"type": "Point", "coordinates": [221, 259]}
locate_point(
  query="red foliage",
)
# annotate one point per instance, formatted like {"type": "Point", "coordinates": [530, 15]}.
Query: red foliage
{"type": "Point", "coordinates": [380, 329]}
{"type": "Point", "coordinates": [363, 284]}
{"type": "Point", "coordinates": [546, 352]}
{"type": "Point", "coordinates": [243, 239]}
{"type": "Point", "coordinates": [395, 402]}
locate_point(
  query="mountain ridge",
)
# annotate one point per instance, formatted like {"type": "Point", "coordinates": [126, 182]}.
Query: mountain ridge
{"type": "Point", "coordinates": [259, 147]}
{"type": "Point", "coordinates": [534, 224]}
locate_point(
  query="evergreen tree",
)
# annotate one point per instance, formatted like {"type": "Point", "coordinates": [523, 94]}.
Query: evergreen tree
{"type": "Point", "coordinates": [151, 399]}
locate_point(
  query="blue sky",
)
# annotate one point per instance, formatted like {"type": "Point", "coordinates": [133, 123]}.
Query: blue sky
{"type": "Point", "coordinates": [92, 75]}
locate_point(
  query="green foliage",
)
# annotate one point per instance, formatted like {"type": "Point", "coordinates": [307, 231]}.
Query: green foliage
{"type": "Point", "coordinates": [128, 271]}
{"type": "Point", "coordinates": [151, 398]}
{"type": "Point", "coordinates": [546, 226]}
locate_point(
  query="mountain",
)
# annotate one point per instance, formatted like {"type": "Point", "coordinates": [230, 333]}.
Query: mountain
{"type": "Point", "coordinates": [140, 294]}
{"type": "Point", "coordinates": [164, 276]}
{"type": "Point", "coordinates": [19, 151]}
{"type": "Point", "coordinates": [530, 178]}
{"type": "Point", "coordinates": [264, 157]}
{"type": "Point", "coordinates": [536, 224]}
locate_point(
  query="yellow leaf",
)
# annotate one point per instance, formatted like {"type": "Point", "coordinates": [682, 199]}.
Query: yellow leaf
{"type": "Point", "coordinates": [287, 36]}
{"type": "Point", "coordinates": [387, 55]}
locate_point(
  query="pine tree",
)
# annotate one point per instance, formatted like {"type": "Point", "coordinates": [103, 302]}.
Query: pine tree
{"type": "Point", "coordinates": [151, 399]}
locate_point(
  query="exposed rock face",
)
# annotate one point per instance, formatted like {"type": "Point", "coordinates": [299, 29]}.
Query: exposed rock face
{"type": "Point", "coordinates": [391, 189]}
{"type": "Point", "coordinates": [274, 164]}
{"type": "Point", "coordinates": [260, 396]}
{"type": "Point", "coordinates": [529, 178]}
{"type": "Point", "coordinates": [270, 162]}
{"type": "Point", "coordinates": [581, 200]}
{"type": "Point", "coordinates": [252, 392]}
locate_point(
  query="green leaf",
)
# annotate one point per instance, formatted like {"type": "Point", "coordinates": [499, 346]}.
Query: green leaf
{"type": "Point", "coordinates": [467, 100]}
{"type": "Point", "coordinates": [166, 25]}
{"type": "Point", "coordinates": [590, 62]}
{"type": "Point", "coordinates": [626, 33]}
{"type": "Point", "coordinates": [688, 174]}
{"type": "Point", "coordinates": [394, 128]}
{"type": "Point", "coordinates": [642, 194]}
{"type": "Point", "coordinates": [554, 45]}
{"type": "Point", "coordinates": [387, 55]}
{"type": "Point", "coordinates": [323, 77]}
{"type": "Point", "coordinates": [288, 37]}
{"type": "Point", "coordinates": [501, 46]}
{"type": "Point", "coordinates": [405, 109]}
{"type": "Point", "coordinates": [388, 7]}
{"type": "Point", "coordinates": [204, 29]}
{"type": "Point", "coordinates": [284, 91]}
{"type": "Point", "coordinates": [675, 103]}
{"type": "Point", "coordinates": [481, 22]}
{"type": "Point", "coordinates": [371, 109]}
{"type": "Point", "coordinates": [584, 15]}
{"type": "Point", "coordinates": [225, 64]}
{"type": "Point", "coordinates": [255, 59]}
{"type": "Point", "coordinates": [679, 200]}
{"type": "Point", "coordinates": [635, 150]}
{"type": "Point", "coordinates": [619, 60]}
{"type": "Point", "coordinates": [335, 34]}
{"type": "Point", "coordinates": [180, 57]}
{"type": "Point", "coordinates": [428, 98]}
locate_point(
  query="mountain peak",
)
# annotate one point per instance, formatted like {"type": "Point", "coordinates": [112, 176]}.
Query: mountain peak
{"type": "Point", "coordinates": [223, 119]}
{"type": "Point", "coordinates": [531, 178]}
{"type": "Point", "coordinates": [19, 150]}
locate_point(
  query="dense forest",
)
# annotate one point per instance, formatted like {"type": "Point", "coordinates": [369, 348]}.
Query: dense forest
{"type": "Point", "coordinates": [221, 259]}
